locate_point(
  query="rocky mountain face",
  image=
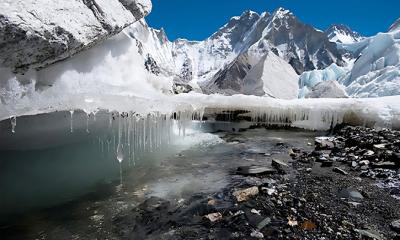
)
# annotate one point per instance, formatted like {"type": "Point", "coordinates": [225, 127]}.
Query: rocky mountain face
{"type": "Point", "coordinates": [235, 58]}
{"type": "Point", "coordinates": [395, 25]}
{"type": "Point", "coordinates": [36, 33]}
{"type": "Point", "coordinates": [342, 34]}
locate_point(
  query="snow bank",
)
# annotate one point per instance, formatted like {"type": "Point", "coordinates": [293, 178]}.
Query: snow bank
{"type": "Point", "coordinates": [311, 78]}
{"type": "Point", "coordinates": [376, 72]}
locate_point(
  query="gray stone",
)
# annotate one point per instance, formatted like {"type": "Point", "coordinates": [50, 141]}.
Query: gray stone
{"type": "Point", "coordinates": [351, 194]}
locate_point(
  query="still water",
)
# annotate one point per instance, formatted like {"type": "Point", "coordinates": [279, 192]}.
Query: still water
{"type": "Point", "coordinates": [73, 190]}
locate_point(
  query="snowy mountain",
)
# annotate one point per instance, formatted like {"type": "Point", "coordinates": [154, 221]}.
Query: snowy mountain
{"type": "Point", "coordinates": [248, 55]}
{"type": "Point", "coordinates": [342, 34]}
{"type": "Point", "coordinates": [395, 26]}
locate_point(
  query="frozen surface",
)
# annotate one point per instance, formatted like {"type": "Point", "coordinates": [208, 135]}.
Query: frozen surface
{"type": "Point", "coordinates": [311, 78]}
{"type": "Point", "coordinates": [376, 72]}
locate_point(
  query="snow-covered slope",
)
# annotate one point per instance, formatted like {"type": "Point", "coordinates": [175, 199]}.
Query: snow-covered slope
{"type": "Point", "coordinates": [36, 33]}
{"type": "Point", "coordinates": [340, 33]}
{"type": "Point", "coordinates": [276, 43]}
{"type": "Point", "coordinates": [376, 72]}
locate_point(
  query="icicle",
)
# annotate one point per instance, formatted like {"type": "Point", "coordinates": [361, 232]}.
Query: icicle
{"type": "Point", "coordinates": [120, 149]}
{"type": "Point", "coordinates": [110, 120]}
{"type": "Point", "coordinates": [87, 122]}
{"type": "Point", "coordinates": [13, 123]}
{"type": "Point", "coordinates": [72, 121]}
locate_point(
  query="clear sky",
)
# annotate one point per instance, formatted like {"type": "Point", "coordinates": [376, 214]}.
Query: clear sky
{"type": "Point", "coordinates": [198, 19]}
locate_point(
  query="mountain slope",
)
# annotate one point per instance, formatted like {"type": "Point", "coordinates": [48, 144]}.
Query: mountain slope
{"type": "Point", "coordinates": [342, 34]}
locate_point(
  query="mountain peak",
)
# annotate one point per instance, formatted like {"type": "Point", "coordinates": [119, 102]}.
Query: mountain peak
{"type": "Point", "coordinates": [162, 36]}
{"type": "Point", "coordinates": [395, 25]}
{"type": "Point", "coordinates": [341, 33]}
{"type": "Point", "coordinates": [282, 12]}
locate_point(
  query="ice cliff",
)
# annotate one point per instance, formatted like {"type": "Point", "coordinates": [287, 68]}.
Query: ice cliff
{"type": "Point", "coordinates": [36, 33]}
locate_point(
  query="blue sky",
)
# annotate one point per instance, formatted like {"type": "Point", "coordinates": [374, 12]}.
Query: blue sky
{"type": "Point", "coordinates": [198, 19]}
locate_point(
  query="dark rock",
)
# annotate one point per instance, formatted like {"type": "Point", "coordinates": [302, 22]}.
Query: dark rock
{"type": "Point", "coordinates": [279, 165]}
{"type": "Point", "coordinates": [327, 164]}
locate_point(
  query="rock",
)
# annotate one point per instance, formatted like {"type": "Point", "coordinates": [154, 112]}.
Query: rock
{"type": "Point", "coordinates": [245, 194]}
{"type": "Point", "coordinates": [214, 217]}
{"type": "Point", "coordinates": [256, 234]}
{"type": "Point", "coordinates": [387, 165]}
{"type": "Point", "coordinates": [254, 170]}
{"type": "Point", "coordinates": [324, 142]}
{"type": "Point", "coordinates": [279, 165]}
{"type": "Point", "coordinates": [327, 164]}
{"type": "Point", "coordinates": [369, 153]}
{"type": "Point", "coordinates": [364, 163]}
{"type": "Point", "coordinates": [380, 146]}
{"type": "Point", "coordinates": [264, 223]}
{"type": "Point", "coordinates": [351, 194]}
{"type": "Point", "coordinates": [395, 225]}
{"type": "Point", "coordinates": [255, 211]}
{"type": "Point", "coordinates": [339, 170]}
{"type": "Point", "coordinates": [36, 33]}
{"type": "Point", "coordinates": [366, 234]}
{"type": "Point", "coordinates": [308, 225]}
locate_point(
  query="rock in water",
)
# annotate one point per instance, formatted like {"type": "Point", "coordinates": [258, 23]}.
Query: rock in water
{"type": "Point", "coordinates": [279, 165]}
{"type": "Point", "coordinates": [36, 33]}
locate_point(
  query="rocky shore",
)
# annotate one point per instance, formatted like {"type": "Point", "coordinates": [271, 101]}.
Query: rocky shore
{"type": "Point", "coordinates": [347, 188]}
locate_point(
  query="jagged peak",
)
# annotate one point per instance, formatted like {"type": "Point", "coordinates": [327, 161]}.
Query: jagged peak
{"type": "Point", "coordinates": [395, 25]}
{"type": "Point", "coordinates": [342, 33]}
{"type": "Point", "coordinates": [245, 16]}
{"type": "Point", "coordinates": [161, 35]}
{"type": "Point", "coordinates": [341, 27]}
{"type": "Point", "coordinates": [282, 13]}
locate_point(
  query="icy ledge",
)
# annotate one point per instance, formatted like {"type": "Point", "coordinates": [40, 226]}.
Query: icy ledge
{"type": "Point", "coordinates": [312, 114]}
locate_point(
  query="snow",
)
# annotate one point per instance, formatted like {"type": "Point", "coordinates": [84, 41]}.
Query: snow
{"type": "Point", "coordinates": [311, 78]}
{"type": "Point", "coordinates": [340, 33]}
{"type": "Point", "coordinates": [376, 71]}
{"type": "Point", "coordinates": [327, 89]}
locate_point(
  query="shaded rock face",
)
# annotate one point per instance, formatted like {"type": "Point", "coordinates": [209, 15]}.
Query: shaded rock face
{"type": "Point", "coordinates": [304, 47]}
{"type": "Point", "coordinates": [36, 33]}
